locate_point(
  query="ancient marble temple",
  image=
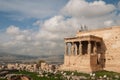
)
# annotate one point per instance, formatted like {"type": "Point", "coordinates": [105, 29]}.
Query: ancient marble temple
{"type": "Point", "coordinates": [93, 50]}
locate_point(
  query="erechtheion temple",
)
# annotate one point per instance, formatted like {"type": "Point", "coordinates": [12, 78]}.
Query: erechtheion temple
{"type": "Point", "coordinates": [93, 50]}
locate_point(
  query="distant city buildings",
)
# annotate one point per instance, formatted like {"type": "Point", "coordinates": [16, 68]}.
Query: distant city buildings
{"type": "Point", "coordinates": [29, 67]}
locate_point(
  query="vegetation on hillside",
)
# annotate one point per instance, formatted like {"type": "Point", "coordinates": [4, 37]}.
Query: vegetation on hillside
{"type": "Point", "coordinates": [61, 75]}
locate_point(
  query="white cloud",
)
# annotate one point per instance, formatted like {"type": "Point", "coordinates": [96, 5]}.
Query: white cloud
{"type": "Point", "coordinates": [108, 23]}
{"type": "Point", "coordinates": [37, 23]}
{"type": "Point", "coordinates": [53, 23]}
{"type": "Point", "coordinates": [119, 5]}
{"type": "Point", "coordinates": [13, 30]}
{"type": "Point", "coordinates": [20, 37]}
{"type": "Point", "coordinates": [81, 8]}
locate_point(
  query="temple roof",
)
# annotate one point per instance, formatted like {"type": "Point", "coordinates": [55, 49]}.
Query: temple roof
{"type": "Point", "coordinates": [84, 38]}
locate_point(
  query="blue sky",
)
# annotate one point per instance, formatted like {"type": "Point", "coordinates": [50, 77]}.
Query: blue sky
{"type": "Point", "coordinates": [115, 2]}
{"type": "Point", "coordinates": [29, 26]}
{"type": "Point", "coordinates": [13, 16]}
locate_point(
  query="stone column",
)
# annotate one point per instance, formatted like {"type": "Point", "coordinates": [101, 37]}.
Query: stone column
{"type": "Point", "coordinates": [72, 48]}
{"type": "Point", "coordinates": [89, 47]}
{"type": "Point", "coordinates": [76, 49]}
{"type": "Point", "coordinates": [73, 52]}
{"type": "Point", "coordinates": [95, 48]}
{"type": "Point", "coordinates": [80, 48]}
{"type": "Point", "coordinates": [66, 48]}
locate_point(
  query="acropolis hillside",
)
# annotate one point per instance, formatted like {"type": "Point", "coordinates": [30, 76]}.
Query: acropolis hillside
{"type": "Point", "coordinates": [93, 50]}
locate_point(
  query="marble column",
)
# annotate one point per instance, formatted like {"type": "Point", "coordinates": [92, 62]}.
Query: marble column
{"type": "Point", "coordinates": [66, 48]}
{"type": "Point", "coordinates": [73, 52]}
{"type": "Point", "coordinates": [80, 48]}
{"type": "Point", "coordinates": [72, 48]}
{"type": "Point", "coordinates": [95, 48]}
{"type": "Point", "coordinates": [89, 47]}
{"type": "Point", "coordinates": [76, 49]}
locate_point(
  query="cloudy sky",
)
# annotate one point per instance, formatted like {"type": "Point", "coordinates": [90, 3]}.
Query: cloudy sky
{"type": "Point", "coordinates": [37, 27]}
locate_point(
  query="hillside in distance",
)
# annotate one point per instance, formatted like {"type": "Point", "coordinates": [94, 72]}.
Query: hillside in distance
{"type": "Point", "coordinates": [13, 58]}
{"type": "Point", "coordinates": [8, 57]}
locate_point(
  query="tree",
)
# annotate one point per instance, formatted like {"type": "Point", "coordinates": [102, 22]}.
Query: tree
{"type": "Point", "coordinates": [39, 63]}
